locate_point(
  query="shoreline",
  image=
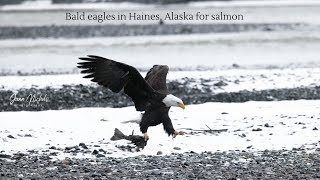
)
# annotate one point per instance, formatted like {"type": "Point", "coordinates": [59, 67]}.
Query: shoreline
{"type": "Point", "coordinates": [268, 164]}
{"type": "Point", "coordinates": [89, 31]}
{"type": "Point", "coordinates": [78, 96]}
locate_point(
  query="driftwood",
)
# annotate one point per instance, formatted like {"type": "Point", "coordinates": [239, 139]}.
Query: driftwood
{"type": "Point", "coordinates": [209, 130]}
{"type": "Point", "coordinates": [135, 139]}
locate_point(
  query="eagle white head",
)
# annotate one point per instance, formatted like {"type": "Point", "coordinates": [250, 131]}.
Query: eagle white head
{"type": "Point", "coordinates": [171, 100]}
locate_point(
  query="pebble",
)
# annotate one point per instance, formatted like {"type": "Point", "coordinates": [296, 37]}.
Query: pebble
{"type": "Point", "coordinates": [95, 152]}
{"type": "Point", "coordinates": [10, 136]}
{"type": "Point", "coordinates": [220, 83]}
{"type": "Point", "coordinates": [222, 165]}
{"type": "Point", "coordinates": [84, 146]}
{"type": "Point", "coordinates": [100, 155]}
{"type": "Point", "coordinates": [267, 125]}
{"type": "Point", "coordinates": [257, 129]}
{"type": "Point", "coordinates": [52, 147]}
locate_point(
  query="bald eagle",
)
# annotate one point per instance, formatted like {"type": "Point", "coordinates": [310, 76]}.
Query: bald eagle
{"type": "Point", "coordinates": [149, 94]}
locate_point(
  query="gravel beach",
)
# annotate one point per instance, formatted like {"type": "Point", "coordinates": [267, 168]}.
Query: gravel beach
{"type": "Point", "coordinates": [86, 31]}
{"type": "Point", "coordinates": [283, 164]}
{"type": "Point", "coordinates": [77, 96]}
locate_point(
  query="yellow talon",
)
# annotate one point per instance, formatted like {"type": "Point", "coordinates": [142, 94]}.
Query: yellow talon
{"type": "Point", "coordinates": [145, 136]}
{"type": "Point", "coordinates": [177, 133]}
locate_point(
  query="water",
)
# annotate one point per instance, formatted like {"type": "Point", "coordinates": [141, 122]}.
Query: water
{"type": "Point", "coordinates": [247, 49]}
{"type": "Point", "coordinates": [254, 12]}
{"type": "Point", "coordinates": [211, 50]}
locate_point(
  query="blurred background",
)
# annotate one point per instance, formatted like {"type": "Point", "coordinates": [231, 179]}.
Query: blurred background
{"type": "Point", "coordinates": [272, 54]}
{"type": "Point", "coordinates": [36, 38]}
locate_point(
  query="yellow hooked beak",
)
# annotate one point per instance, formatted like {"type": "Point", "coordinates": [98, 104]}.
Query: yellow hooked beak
{"type": "Point", "coordinates": [182, 105]}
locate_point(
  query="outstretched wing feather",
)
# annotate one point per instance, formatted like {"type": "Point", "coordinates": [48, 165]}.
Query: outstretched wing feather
{"type": "Point", "coordinates": [117, 76]}
{"type": "Point", "coordinates": [157, 78]}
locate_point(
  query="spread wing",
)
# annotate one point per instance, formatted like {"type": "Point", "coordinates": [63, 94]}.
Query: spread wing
{"type": "Point", "coordinates": [117, 76]}
{"type": "Point", "coordinates": [157, 78]}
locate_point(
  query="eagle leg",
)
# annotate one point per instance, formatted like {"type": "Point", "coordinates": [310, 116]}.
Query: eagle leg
{"type": "Point", "coordinates": [145, 136]}
{"type": "Point", "coordinates": [177, 133]}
